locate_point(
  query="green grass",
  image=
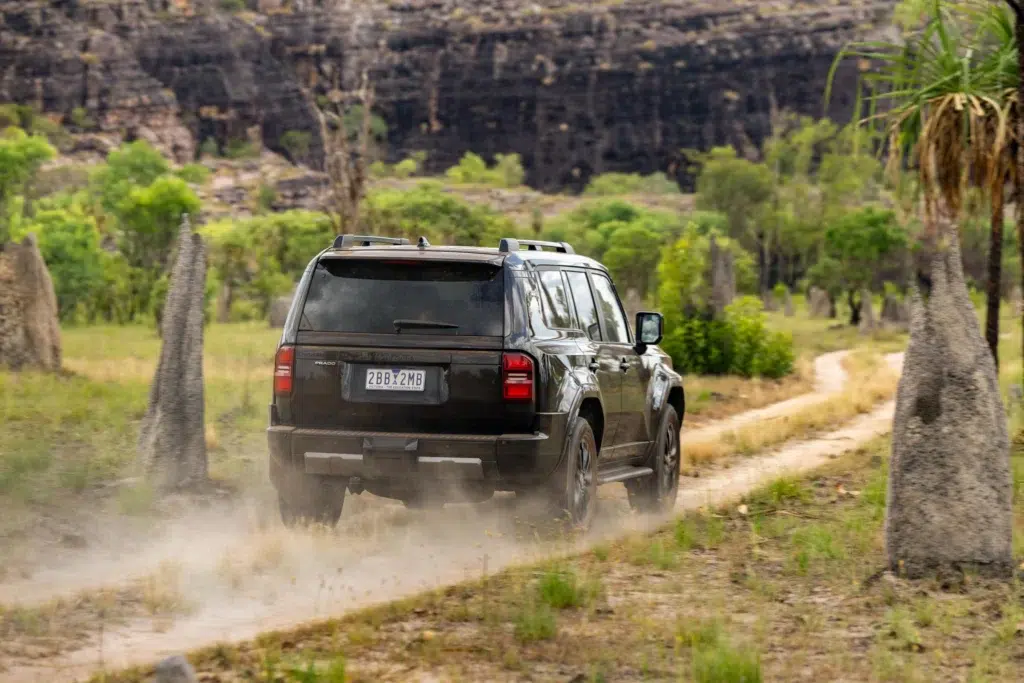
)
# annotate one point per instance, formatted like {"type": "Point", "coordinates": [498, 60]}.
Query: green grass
{"type": "Point", "coordinates": [536, 621]}
{"type": "Point", "coordinates": [723, 663]}
{"type": "Point", "coordinates": [65, 435]}
{"type": "Point", "coordinates": [563, 589]}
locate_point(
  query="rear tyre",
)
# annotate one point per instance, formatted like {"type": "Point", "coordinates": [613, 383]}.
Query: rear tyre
{"type": "Point", "coordinates": [657, 493]}
{"type": "Point", "coordinates": [310, 499]}
{"type": "Point", "coordinates": [574, 490]}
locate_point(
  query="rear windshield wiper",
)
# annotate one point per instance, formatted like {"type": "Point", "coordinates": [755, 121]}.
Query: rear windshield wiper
{"type": "Point", "coordinates": [423, 325]}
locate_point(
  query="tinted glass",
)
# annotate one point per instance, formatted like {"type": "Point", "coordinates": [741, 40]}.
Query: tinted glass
{"type": "Point", "coordinates": [368, 296]}
{"type": "Point", "coordinates": [610, 309]}
{"type": "Point", "coordinates": [556, 300]}
{"type": "Point", "coordinates": [586, 311]}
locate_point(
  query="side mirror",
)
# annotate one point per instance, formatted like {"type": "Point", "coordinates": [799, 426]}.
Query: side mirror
{"type": "Point", "coordinates": [649, 329]}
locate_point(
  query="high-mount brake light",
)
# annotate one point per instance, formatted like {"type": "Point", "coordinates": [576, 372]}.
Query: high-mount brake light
{"type": "Point", "coordinates": [284, 371]}
{"type": "Point", "coordinates": [517, 377]}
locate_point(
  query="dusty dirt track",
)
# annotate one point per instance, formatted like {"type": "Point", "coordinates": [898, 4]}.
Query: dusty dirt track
{"type": "Point", "coordinates": [231, 572]}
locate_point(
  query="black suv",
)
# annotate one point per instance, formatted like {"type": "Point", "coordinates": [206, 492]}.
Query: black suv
{"type": "Point", "coordinates": [432, 374]}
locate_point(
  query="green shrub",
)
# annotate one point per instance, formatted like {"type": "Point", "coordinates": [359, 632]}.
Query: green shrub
{"type": "Point", "coordinates": [738, 344]}
{"type": "Point", "coordinates": [196, 174]}
{"type": "Point", "coordinates": [241, 149]}
{"type": "Point", "coordinates": [81, 119]}
{"type": "Point", "coordinates": [209, 148]}
{"type": "Point", "coordinates": [406, 168]}
{"type": "Point", "coordinates": [233, 5]}
{"type": "Point", "coordinates": [472, 170]}
{"type": "Point", "coordinates": [562, 589]}
{"type": "Point", "coordinates": [534, 622]}
{"type": "Point", "coordinates": [429, 211]}
{"type": "Point", "coordinates": [296, 143]}
{"type": "Point", "coordinates": [613, 184]}
{"type": "Point", "coordinates": [266, 195]}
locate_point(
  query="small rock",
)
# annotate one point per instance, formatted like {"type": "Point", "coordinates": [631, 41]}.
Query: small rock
{"type": "Point", "coordinates": [175, 669]}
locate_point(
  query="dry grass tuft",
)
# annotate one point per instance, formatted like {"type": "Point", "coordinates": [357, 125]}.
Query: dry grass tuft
{"type": "Point", "coordinates": [871, 381]}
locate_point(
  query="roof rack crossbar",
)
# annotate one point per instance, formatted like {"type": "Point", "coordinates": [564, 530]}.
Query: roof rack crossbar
{"type": "Point", "coordinates": [343, 241]}
{"type": "Point", "coordinates": [508, 244]}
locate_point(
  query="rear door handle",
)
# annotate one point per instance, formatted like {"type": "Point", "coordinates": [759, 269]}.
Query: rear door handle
{"type": "Point", "coordinates": [594, 365]}
{"type": "Point", "coordinates": [624, 365]}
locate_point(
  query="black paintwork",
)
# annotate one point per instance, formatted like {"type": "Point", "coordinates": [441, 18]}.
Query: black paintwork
{"type": "Point", "coordinates": [622, 388]}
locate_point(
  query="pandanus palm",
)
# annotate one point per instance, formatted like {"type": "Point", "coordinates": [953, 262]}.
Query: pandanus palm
{"type": "Point", "coordinates": [941, 103]}
{"type": "Point", "coordinates": [943, 108]}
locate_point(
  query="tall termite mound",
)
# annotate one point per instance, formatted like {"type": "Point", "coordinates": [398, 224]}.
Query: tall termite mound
{"type": "Point", "coordinates": [29, 329]}
{"type": "Point", "coordinates": [949, 505]}
{"type": "Point", "coordinates": [722, 276]}
{"type": "Point", "coordinates": [172, 443]}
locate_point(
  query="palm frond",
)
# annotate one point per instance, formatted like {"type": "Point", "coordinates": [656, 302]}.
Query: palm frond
{"type": "Point", "coordinates": [943, 97]}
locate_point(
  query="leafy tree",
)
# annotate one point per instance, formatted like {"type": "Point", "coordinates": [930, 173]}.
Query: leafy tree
{"type": "Point", "coordinates": [150, 217]}
{"type": "Point", "coordinates": [945, 93]}
{"type": "Point", "coordinates": [684, 289]}
{"type": "Point", "coordinates": [21, 156]}
{"type": "Point", "coordinates": [859, 242]}
{"type": "Point", "coordinates": [132, 165]}
{"type": "Point", "coordinates": [441, 217]}
{"type": "Point", "coordinates": [70, 245]}
{"type": "Point", "coordinates": [632, 256]}
{"type": "Point", "coordinates": [256, 259]}
{"type": "Point", "coordinates": [589, 227]}
{"type": "Point", "coordinates": [742, 191]}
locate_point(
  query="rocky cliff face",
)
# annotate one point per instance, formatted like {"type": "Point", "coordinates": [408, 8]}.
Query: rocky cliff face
{"type": "Point", "coordinates": [575, 88]}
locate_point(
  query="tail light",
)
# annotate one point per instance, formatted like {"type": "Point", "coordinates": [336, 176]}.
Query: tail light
{"type": "Point", "coordinates": [284, 371]}
{"type": "Point", "coordinates": [517, 377]}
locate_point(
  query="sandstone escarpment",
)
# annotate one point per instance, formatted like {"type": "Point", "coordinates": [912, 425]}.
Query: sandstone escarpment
{"type": "Point", "coordinates": [575, 88]}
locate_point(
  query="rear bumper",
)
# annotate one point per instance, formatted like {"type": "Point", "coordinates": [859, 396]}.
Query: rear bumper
{"type": "Point", "coordinates": [506, 459]}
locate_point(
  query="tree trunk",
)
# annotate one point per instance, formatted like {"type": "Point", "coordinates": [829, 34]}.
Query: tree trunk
{"type": "Point", "coordinates": [1019, 33]}
{"type": "Point", "coordinates": [762, 263]}
{"type": "Point", "coordinates": [854, 308]}
{"type": "Point", "coordinates": [995, 274]}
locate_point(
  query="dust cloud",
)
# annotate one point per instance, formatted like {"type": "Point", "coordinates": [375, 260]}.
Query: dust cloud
{"type": "Point", "coordinates": [231, 571]}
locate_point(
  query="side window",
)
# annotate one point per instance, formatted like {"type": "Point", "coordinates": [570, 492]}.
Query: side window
{"type": "Point", "coordinates": [586, 311]}
{"type": "Point", "coordinates": [614, 320]}
{"type": "Point", "coordinates": [556, 300]}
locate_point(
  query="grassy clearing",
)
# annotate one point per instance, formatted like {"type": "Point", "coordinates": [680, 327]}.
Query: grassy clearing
{"type": "Point", "coordinates": [66, 437]}
{"type": "Point", "coordinates": [711, 398]}
{"type": "Point", "coordinates": [822, 335]}
{"type": "Point", "coordinates": [871, 381]}
{"type": "Point", "coordinates": [779, 587]}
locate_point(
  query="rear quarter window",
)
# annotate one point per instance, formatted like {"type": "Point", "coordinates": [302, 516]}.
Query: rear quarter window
{"type": "Point", "coordinates": [369, 295]}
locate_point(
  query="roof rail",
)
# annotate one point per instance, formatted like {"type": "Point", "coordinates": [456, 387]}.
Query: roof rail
{"type": "Point", "coordinates": [508, 244]}
{"type": "Point", "coordinates": [342, 241]}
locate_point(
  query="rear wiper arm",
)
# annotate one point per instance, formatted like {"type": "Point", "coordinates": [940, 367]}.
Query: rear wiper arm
{"type": "Point", "coordinates": [423, 325]}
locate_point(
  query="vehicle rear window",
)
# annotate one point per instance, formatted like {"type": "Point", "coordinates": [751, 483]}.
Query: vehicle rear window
{"type": "Point", "coordinates": [371, 296]}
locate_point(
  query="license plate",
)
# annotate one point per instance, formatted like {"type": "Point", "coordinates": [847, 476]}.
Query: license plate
{"type": "Point", "coordinates": [394, 379]}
